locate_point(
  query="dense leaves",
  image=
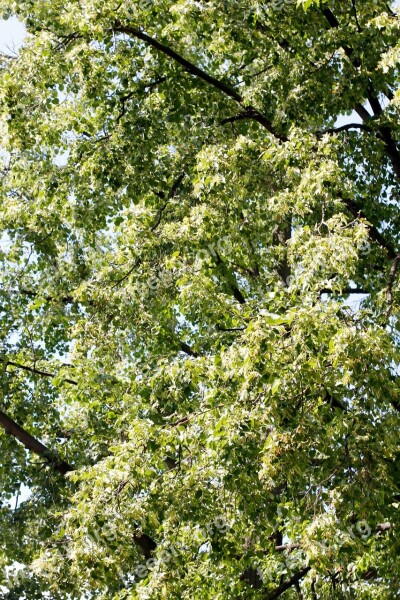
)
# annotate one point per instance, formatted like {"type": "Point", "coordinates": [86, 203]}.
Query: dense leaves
{"type": "Point", "coordinates": [199, 301]}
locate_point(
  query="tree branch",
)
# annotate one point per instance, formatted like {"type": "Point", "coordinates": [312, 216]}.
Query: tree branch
{"type": "Point", "coordinates": [171, 194]}
{"type": "Point", "coordinates": [223, 87]}
{"type": "Point", "coordinates": [287, 547]}
{"type": "Point", "coordinates": [239, 117]}
{"type": "Point", "coordinates": [391, 147]}
{"type": "Point", "coordinates": [343, 292]}
{"type": "Point", "coordinates": [127, 274]}
{"type": "Point", "coordinates": [356, 16]}
{"type": "Point", "coordinates": [375, 234]}
{"type": "Point", "coordinates": [30, 294]}
{"type": "Point", "coordinates": [293, 581]}
{"type": "Point", "coordinates": [34, 370]}
{"type": "Point", "coordinates": [187, 350]}
{"type": "Point", "coordinates": [229, 329]}
{"type": "Point", "coordinates": [334, 23]}
{"type": "Point", "coordinates": [389, 289]}
{"type": "Point", "coordinates": [362, 112]}
{"type": "Point", "coordinates": [31, 443]}
{"type": "Point", "coordinates": [347, 127]}
{"type": "Point", "coordinates": [139, 261]}
{"type": "Point", "coordinates": [145, 543]}
{"type": "Point", "coordinates": [124, 99]}
{"type": "Point", "coordinates": [231, 281]}
{"type": "Point", "coordinates": [385, 133]}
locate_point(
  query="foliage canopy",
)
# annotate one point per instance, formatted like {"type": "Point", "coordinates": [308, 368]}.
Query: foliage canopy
{"type": "Point", "coordinates": [195, 401]}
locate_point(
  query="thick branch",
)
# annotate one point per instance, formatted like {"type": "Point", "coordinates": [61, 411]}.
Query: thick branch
{"type": "Point", "coordinates": [334, 23]}
{"type": "Point", "coordinates": [229, 329]}
{"type": "Point", "coordinates": [384, 132]}
{"type": "Point", "coordinates": [375, 104]}
{"type": "Point", "coordinates": [145, 543]}
{"type": "Point", "coordinates": [385, 135]}
{"type": "Point", "coordinates": [293, 581]}
{"type": "Point", "coordinates": [31, 443]}
{"type": "Point", "coordinates": [187, 350]}
{"type": "Point", "coordinates": [223, 87]}
{"type": "Point", "coordinates": [362, 112]}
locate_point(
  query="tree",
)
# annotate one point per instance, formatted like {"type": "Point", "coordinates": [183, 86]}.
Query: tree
{"type": "Point", "coordinates": [200, 300]}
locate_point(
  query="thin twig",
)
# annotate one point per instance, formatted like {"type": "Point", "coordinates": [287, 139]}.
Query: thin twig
{"type": "Point", "coordinates": [171, 195]}
{"type": "Point", "coordinates": [137, 263]}
{"type": "Point", "coordinates": [34, 371]}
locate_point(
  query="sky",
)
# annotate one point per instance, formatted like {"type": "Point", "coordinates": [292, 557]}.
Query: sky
{"type": "Point", "coordinates": [12, 33]}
